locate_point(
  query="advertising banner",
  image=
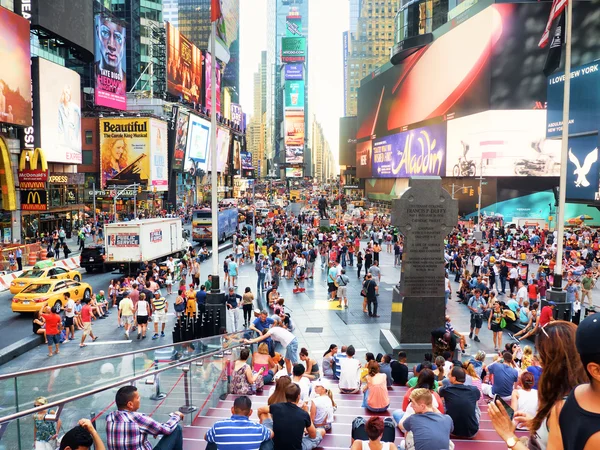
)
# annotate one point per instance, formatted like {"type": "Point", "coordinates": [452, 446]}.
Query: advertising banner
{"type": "Point", "coordinates": [293, 172]}
{"type": "Point", "coordinates": [208, 81]}
{"type": "Point", "coordinates": [246, 161]}
{"type": "Point", "coordinates": [237, 115]}
{"type": "Point", "coordinates": [294, 94]}
{"type": "Point", "coordinates": [364, 159]}
{"type": "Point", "coordinates": [223, 141]}
{"type": "Point", "coordinates": [66, 178]}
{"type": "Point", "coordinates": [583, 170]}
{"type": "Point", "coordinates": [293, 49]}
{"type": "Point", "coordinates": [197, 143]}
{"type": "Point", "coordinates": [35, 200]}
{"type": "Point", "coordinates": [159, 171]}
{"type": "Point", "coordinates": [347, 141]}
{"type": "Point", "coordinates": [181, 134]}
{"type": "Point", "coordinates": [502, 144]}
{"type": "Point", "coordinates": [59, 110]}
{"type": "Point", "coordinates": [294, 137]}
{"type": "Point", "coordinates": [110, 62]}
{"type": "Point", "coordinates": [294, 72]}
{"type": "Point", "coordinates": [421, 151]}
{"type": "Point", "coordinates": [237, 154]}
{"type": "Point", "coordinates": [584, 107]}
{"type": "Point", "coordinates": [184, 73]}
{"type": "Point", "coordinates": [15, 78]}
{"type": "Point", "coordinates": [123, 240]}
{"type": "Point", "coordinates": [293, 26]}
{"type": "Point", "coordinates": [125, 151]}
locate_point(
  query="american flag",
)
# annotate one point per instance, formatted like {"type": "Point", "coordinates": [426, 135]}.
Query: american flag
{"type": "Point", "coordinates": [557, 8]}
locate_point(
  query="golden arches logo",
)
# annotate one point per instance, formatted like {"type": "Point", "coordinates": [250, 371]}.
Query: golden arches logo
{"type": "Point", "coordinates": [32, 197]}
{"type": "Point", "coordinates": [7, 182]}
{"type": "Point", "coordinates": [34, 156]}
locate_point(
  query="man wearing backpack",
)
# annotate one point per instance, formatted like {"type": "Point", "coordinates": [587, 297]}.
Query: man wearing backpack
{"type": "Point", "coordinates": [310, 265]}
{"type": "Point", "coordinates": [342, 281]}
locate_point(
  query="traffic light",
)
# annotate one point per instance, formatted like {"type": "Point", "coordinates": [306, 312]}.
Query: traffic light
{"type": "Point", "coordinates": [139, 189]}
{"type": "Point", "coordinates": [471, 192]}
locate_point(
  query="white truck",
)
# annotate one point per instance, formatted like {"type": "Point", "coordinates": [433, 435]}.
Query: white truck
{"type": "Point", "coordinates": [128, 244]}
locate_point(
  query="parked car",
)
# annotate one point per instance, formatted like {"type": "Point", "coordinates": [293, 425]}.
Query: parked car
{"type": "Point", "coordinates": [49, 292]}
{"type": "Point", "coordinates": [38, 273]}
{"type": "Point", "coordinates": [92, 258]}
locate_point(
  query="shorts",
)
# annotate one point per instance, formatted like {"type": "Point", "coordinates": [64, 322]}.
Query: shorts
{"type": "Point", "coordinates": [68, 322]}
{"type": "Point", "coordinates": [160, 316]}
{"type": "Point", "coordinates": [496, 327]}
{"type": "Point", "coordinates": [476, 320]}
{"type": "Point", "coordinates": [342, 292]}
{"type": "Point", "coordinates": [331, 287]}
{"type": "Point", "coordinates": [142, 320]}
{"type": "Point", "coordinates": [127, 320]}
{"type": "Point", "coordinates": [87, 328]}
{"type": "Point", "coordinates": [291, 351]}
{"type": "Point", "coordinates": [53, 339]}
{"type": "Point", "coordinates": [238, 255]}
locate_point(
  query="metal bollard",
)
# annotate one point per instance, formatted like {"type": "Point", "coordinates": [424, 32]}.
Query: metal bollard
{"type": "Point", "coordinates": [188, 407]}
{"type": "Point", "coordinates": [157, 394]}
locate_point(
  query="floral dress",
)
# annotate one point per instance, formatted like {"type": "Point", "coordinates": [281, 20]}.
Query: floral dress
{"type": "Point", "coordinates": [240, 384]}
{"type": "Point", "coordinates": [44, 431]}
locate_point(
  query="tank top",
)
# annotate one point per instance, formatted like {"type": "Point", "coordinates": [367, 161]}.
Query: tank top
{"type": "Point", "coordinates": [576, 424]}
{"type": "Point", "coordinates": [384, 445]}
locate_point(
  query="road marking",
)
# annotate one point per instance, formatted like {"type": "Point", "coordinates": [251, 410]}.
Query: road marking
{"type": "Point", "coordinates": [324, 304]}
{"type": "Point", "coordinates": [109, 342]}
{"type": "Point", "coordinates": [389, 289]}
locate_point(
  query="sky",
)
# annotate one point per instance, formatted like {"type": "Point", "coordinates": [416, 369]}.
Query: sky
{"type": "Point", "coordinates": [327, 21]}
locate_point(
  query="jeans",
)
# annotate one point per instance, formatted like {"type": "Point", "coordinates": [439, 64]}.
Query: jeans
{"type": "Point", "coordinates": [503, 284]}
{"type": "Point", "coordinates": [397, 415]}
{"type": "Point", "coordinates": [359, 267]}
{"type": "Point", "coordinates": [261, 281]}
{"type": "Point", "coordinates": [351, 257]}
{"type": "Point", "coordinates": [343, 260]}
{"type": "Point", "coordinates": [447, 297]}
{"type": "Point", "coordinates": [173, 441]}
{"type": "Point", "coordinates": [372, 301]}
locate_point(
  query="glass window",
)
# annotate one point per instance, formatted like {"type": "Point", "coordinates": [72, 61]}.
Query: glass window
{"type": "Point", "coordinates": [87, 157]}
{"type": "Point", "coordinates": [89, 137]}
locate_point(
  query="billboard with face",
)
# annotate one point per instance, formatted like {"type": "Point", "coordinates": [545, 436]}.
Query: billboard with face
{"type": "Point", "coordinates": [208, 83]}
{"type": "Point", "coordinates": [181, 134]}
{"type": "Point", "coordinates": [223, 141]}
{"type": "Point", "coordinates": [111, 80]}
{"type": "Point", "coordinates": [246, 160]}
{"type": "Point", "coordinates": [237, 154]}
{"type": "Point", "coordinates": [184, 73]}
{"type": "Point", "coordinates": [58, 112]}
{"type": "Point", "coordinates": [125, 151]}
{"type": "Point", "coordinates": [197, 143]}
{"type": "Point", "coordinates": [159, 171]}
{"type": "Point", "coordinates": [15, 78]}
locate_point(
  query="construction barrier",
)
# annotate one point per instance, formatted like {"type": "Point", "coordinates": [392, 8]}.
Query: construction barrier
{"type": "Point", "coordinates": [32, 259]}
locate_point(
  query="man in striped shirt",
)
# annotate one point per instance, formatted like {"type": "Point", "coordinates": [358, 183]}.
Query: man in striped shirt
{"type": "Point", "coordinates": [239, 432]}
{"type": "Point", "coordinates": [160, 306]}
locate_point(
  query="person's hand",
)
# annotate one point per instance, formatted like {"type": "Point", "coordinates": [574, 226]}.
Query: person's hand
{"type": "Point", "coordinates": [489, 327]}
{"type": "Point", "coordinates": [501, 421]}
{"type": "Point", "coordinates": [87, 425]}
{"type": "Point", "coordinates": [521, 418]}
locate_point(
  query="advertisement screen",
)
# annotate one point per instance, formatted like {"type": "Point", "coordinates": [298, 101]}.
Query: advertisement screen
{"type": "Point", "coordinates": [421, 151]}
{"type": "Point", "coordinates": [125, 151]}
{"type": "Point", "coordinates": [294, 94]}
{"type": "Point", "coordinates": [294, 72]}
{"type": "Point", "coordinates": [293, 26]}
{"type": "Point", "coordinates": [237, 115]}
{"type": "Point", "coordinates": [294, 137]}
{"type": "Point", "coordinates": [59, 109]}
{"type": "Point", "coordinates": [583, 169]}
{"type": "Point", "coordinates": [364, 159]}
{"type": "Point", "coordinates": [223, 141]}
{"type": "Point", "coordinates": [348, 141]}
{"type": "Point", "coordinates": [159, 170]}
{"type": "Point", "coordinates": [198, 139]}
{"type": "Point", "coordinates": [246, 161]}
{"type": "Point", "coordinates": [184, 73]}
{"type": "Point", "coordinates": [237, 154]}
{"type": "Point", "coordinates": [208, 83]}
{"type": "Point", "coordinates": [293, 49]}
{"type": "Point", "coordinates": [502, 144]}
{"type": "Point", "coordinates": [584, 106]}
{"type": "Point", "coordinates": [15, 83]}
{"type": "Point", "coordinates": [293, 172]}
{"type": "Point", "coordinates": [110, 62]}
{"type": "Point", "coordinates": [181, 135]}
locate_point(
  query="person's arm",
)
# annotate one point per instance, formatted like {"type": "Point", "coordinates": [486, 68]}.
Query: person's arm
{"type": "Point", "coordinates": [148, 425]}
{"type": "Point", "coordinates": [313, 412]}
{"type": "Point", "coordinates": [310, 430]}
{"type": "Point", "coordinates": [250, 376]}
{"type": "Point", "coordinates": [258, 339]}
{"type": "Point", "coordinates": [86, 424]}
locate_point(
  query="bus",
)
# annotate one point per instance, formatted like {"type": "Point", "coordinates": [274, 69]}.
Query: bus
{"type": "Point", "coordinates": [202, 224]}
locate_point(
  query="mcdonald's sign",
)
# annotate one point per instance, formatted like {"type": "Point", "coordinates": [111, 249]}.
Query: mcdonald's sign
{"type": "Point", "coordinates": [36, 200]}
{"type": "Point", "coordinates": [33, 177]}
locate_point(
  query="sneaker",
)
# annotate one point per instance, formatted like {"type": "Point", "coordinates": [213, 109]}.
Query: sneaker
{"type": "Point", "coordinates": [162, 334]}
{"type": "Point", "coordinates": [139, 336]}
{"type": "Point", "coordinates": [126, 335]}
{"type": "Point", "coordinates": [477, 339]}
{"type": "Point", "coordinates": [154, 337]}
{"type": "Point", "coordinates": [471, 335]}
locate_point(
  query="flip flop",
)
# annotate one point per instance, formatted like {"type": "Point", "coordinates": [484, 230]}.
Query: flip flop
{"type": "Point", "coordinates": [95, 339]}
{"type": "Point", "coordinates": [49, 355]}
{"type": "Point", "coordinates": [82, 345]}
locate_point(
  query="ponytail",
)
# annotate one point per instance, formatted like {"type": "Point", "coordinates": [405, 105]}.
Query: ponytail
{"type": "Point", "coordinates": [330, 395]}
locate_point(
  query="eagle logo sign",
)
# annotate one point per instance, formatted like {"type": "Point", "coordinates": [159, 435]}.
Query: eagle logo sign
{"type": "Point", "coordinates": [582, 171]}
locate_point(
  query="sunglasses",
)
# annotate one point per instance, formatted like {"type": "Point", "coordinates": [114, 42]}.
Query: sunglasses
{"type": "Point", "coordinates": [544, 331]}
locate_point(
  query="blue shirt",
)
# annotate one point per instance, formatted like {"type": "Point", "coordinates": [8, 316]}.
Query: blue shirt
{"type": "Point", "coordinates": [504, 379]}
{"type": "Point", "coordinates": [571, 293]}
{"type": "Point", "coordinates": [513, 305]}
{"type": "Point", "coordinates": [263, 325]}
{"type": "Point", "coordinates": [536, 371]}
{"type": "Point", "coordinates": [201, 297]}
{"type": "Point", "coordinates": [238, 433]}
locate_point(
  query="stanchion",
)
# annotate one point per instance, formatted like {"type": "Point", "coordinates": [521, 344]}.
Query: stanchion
{"type": "Point", "coordinates": [188, 407]}
{"type": "Point", "coordinates": [157, 394]}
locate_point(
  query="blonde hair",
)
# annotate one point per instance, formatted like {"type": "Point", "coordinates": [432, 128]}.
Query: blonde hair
{"type": "Point", "coordinates": [470, 370]}
{"type": "Point", "coordinates": [263, 349]}
{"type": "Point", "coordinates": [41, 401]}
{"type": "Point", "coordinates": [106, 152]}
{"type": "Point", "coordinates": [527, 350]}
{"type": "Point", "coordinates": [421, 395]}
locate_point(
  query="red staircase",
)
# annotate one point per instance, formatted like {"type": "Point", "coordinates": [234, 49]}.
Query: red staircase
{"type": "Point", "coordinates": [348, 407]}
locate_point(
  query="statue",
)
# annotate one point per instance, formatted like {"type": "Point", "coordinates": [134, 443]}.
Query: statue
{"type": "Point", "coordinates": [323, 207]}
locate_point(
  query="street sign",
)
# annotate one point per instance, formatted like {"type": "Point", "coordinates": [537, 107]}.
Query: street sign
{"type": "Point", "coordinates": [113, 193]}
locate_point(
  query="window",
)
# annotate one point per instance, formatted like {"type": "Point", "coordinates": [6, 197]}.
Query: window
{"type": "Point", "coordinates": [87, 157]}
{"type": "Point", "coordinates": [89, 135]}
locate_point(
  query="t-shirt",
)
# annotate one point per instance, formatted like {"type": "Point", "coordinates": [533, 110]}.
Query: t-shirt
{"type": "Point", "coordinates": [126, 307]}
{"type": "Point", "coordinates": [86, 313]}
{"type": "Point", "coordinates": [536, 371]}
{"type": "Point", "coordinates": [521, 294]}
{"type": "Point", "coordinates": [399, 372]}
{"type": "Point", "coordinates": [142, 308]}
{"type": "Point", "coordinates": [239, 432]}
{"type": "Point", "coordinates": [430, 430]}
{"type": "Point", "coordinates": [201, 297]}
{"type": "Point", "coordinates": [289, 423]}
{"type": "Point", "coordinates": [52, 322]}
{"type": "Point", "coordinates": [546, 316]}
{"type": "Point", "coordinates": [70, 305]}
{"type": "Point", "coordinates": [513, 305]}
{"type": "Point", "coordinates": [232, 267]}
{"type": "Point", "coordinates": [281, 335]}
{"type": "Point", "coordinates": [349, 373]}
{"type": "Point", "coordinates": [332, 274]}
{"type": "Point", "coordinates": [413, 382]}
{"type": "Point", "coordinates": [259, 325]}
{"type": "Point", "coordinates": [375, 271]}
{"type": "Point", "coordinates": [504, 379]}
{"type": "Point", "coordinates": [304, 385]}
{"type": "Point", "coordinates": [461, 405]}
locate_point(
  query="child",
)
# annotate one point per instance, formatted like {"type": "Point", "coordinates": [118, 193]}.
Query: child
{"type": "Point", "coordinates": [169, 282]}
{"type": "Point", "coordinates": [527, 357]}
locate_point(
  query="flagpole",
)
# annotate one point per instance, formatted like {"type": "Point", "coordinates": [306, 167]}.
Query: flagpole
{"type": "Point", "coordinates": [562, 192]}
{"type": "Point", "coordinates": [213, 146]}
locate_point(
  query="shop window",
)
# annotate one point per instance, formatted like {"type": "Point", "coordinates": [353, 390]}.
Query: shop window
{"type": "Point", "coordinates": [87, 157]}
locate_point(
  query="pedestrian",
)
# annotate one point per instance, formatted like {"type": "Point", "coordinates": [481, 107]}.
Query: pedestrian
{"type": "Point", "coordinates": [160, 306]}
{"type": "Point", "coordinates": [359, 263]}
{"type": "Point", "coordinates": [19, 257]}
{"type": "Point", "coordinates": [342, 284]}
{"type": "Point", "coordinates": [12, 261]}
{"type": "Point", "coordinates": [126, 308]}
{"type": "Point", "coordinates": [86, 317]}
{"type": "Point", "coordinates": [248, 306]}
{"type": "Point", "coordinates": [371, 290]}
{"type": "Point", "coordinates": [142, 311]}
{"type": "Point", "coordinates": [477, 305]}
{"type": "Point", "coordinates": [53, 327]}
{"type": "Point", "coordinates": [69, 317]}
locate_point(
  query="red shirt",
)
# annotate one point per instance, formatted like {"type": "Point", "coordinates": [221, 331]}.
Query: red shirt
{"type": "Point", "coordinates": [533, 290]}
{"type": "Point", "coordinates": [52, 322]}
{"type": "Point", "coordinates": [86, 313]}
{"type": "Point", "coordinates": [546, 316]}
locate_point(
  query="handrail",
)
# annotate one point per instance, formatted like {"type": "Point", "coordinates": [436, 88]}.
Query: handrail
{"type": "Point", "coordinates": [49, 405]}
{"type": "Point", "coordinates": [102, 358]}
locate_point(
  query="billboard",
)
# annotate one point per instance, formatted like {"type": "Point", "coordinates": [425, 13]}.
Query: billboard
{"type": "Point", "coordinates": [237, 154]}
{"type": "Point", "coordinates": [181, 135]}
{"type": "Point", "coordinates": [208, 83]}
{"type": "Point", "coordinates": [58, 112]}
{"type": "Point", "coordinates": [184, 69]}
{"type": "Point", "coordinates": [197, 143]}
{"type": "Point", "coordinates": [418, 152]}
{"type": "Point", "coordinates": [583, 170]}
{"type": "Point", "coordinates": [584, 107]}
{"type": "Point", "coordinates": [347, 141]}
{"type": "Point", "coordinates": [294, 94]}
{"type": "Point", "coordinates": [293, 49]}
{"type": "Point", "coordinates": [502, 144]}
{"type": "Point", "coordinates": [293, 172]}
{"type": "Point", "coordinates": [159, 155]}
{"type": "Point", "coordinates": [15, 83]}
{"type": "Point", "coordinates": [293, 26]}
{"type": "Point", "coordinates": [125, 151]}
{"type": "Point", "coordinates": [223, 141]}
{"type": "Point", "coordinates": [294, 137]}
{"type": "Point", "coordinates": [294, 72]}
{"type": "Point", "coordinates": [34, 200]}
{"type": "Point", "coordinates": [364, 159]}
{"type": "Point", "coordinates": [237, 115]}
{"type": "Point", "coordinates": [110, 62]}
{"type": "Point", "coordinates": [246, 160]}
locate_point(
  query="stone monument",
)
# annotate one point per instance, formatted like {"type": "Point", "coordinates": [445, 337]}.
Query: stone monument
{"type": "Point", "coordinates": [425, 214]}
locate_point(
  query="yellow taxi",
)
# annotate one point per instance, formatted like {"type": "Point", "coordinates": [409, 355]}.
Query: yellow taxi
{"type": "Point", "coordinates": [38, 272]}
{"type": "Point", "coordinates": [49, 292]}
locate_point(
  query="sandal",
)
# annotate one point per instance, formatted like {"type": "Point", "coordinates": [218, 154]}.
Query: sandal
{"type": "Point", "coordinates": [82, 345]}
{"type": "Point", "coordinates": [49, 355]}
{"type": "Point", "coordinates": [95, 339]}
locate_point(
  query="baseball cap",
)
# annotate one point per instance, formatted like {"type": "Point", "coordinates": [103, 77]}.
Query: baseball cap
{"type": "Point", "coordinates": [551, 303]}
{"type": "Point", "coordinates": [318, 383]}
{"type": "Point", "coordinates": [588, 335]}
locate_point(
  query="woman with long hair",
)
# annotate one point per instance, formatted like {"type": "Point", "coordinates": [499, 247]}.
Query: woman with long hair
{"type": "Point", "coordinates": [376, 398]}
{"type": "Point", "coordinates": [114, 158]}
{"type": "Point", "coordinates": [562, 372]}
{"type": "Point", "coordinates": [374, 428]}
{"type": "Point", "coordinates": [262, 360]}
{"type": "Point", "coordinates": [329, 361]}
{"type": "Point", "coordinates": [243, 380]}
{"type": "Point", "coordinates": [312, 367]}
{"type": "Point", "coordinates": [278, 394]}
{"type": "Point", "coordinates": [322, 406]}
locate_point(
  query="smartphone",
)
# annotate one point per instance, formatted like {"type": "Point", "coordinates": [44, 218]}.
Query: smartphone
{"type": "Point", "coordinates": [506, 406]}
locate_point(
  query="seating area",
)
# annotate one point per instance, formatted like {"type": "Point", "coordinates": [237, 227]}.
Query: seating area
{"type": "Point", "coordinates": [348, 407]}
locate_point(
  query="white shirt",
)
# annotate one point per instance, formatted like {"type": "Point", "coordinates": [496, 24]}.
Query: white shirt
{"type": "Point", "coordinates": [304, 385]}
{"type": "Point", "coordinates": [477, 260]}
{"type": "Point", "coordinates": [281, 335]}
{"type": "Point", "coordinates": [447, 285]}
{"type": "Point", "coordinates": [514, 273]}
{"type": "Point", "coordinates": [349, 373]}
{"type": "Point", "coordinates": [521, 294]}
{"type": "Point", "coordinates": [70, 304]}
{"type": "Point", "coordinates": [324, 406]}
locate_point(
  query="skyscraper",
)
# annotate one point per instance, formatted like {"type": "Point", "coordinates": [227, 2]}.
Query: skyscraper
{"type": "Point", "coordinates": [256, 127]}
